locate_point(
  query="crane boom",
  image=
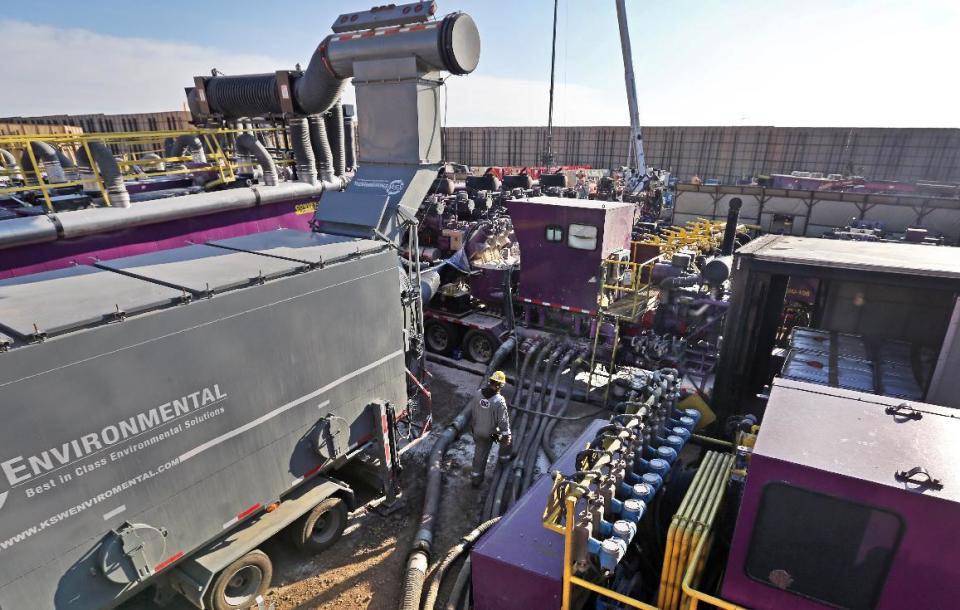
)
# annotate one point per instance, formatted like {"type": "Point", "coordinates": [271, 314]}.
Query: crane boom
{"type": "Point", "coordinates": [636, 137]}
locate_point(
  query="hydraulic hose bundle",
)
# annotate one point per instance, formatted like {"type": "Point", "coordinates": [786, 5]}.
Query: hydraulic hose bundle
{"type": "Point", "coordinates": [498, 487]}
{"type": "Point", "coordinates": [526, 435]}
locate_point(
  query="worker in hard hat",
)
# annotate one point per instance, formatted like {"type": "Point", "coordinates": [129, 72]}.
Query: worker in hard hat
{"type": "Point", "coordinates": [491, 424]}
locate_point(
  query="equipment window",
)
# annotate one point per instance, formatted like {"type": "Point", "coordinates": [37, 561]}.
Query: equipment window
{"type": "Point", "coordinates": [829, 549]}
{"type": "Point", "coordinates": [554, 233]}
{"type": "Point", "coordinates": [582, 237]}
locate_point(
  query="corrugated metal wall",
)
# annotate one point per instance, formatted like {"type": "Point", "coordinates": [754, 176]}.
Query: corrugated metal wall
{"type": "Point", "coordinates": [726, 153]}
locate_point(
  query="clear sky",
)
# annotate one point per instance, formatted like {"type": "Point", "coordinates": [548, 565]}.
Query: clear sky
{"type": "Point", "coordinates": [870, 63]}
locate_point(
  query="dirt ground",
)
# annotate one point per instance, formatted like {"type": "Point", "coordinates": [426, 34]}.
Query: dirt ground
{"type": "Point", "coordinates": [364, 570]}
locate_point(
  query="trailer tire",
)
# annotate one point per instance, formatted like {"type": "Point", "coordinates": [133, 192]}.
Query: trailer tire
{"type": "Point", "coordinates": [479, 346]}
{"type": "Point", "coordinates": [441, 337]}
{"type": "Point", "coordinates": [320, 528]}
{"type": "Point", "coordinates": [238, 585]}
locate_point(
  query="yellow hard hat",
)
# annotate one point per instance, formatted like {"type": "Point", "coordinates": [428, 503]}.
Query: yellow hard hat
{"type": "Point", "coordinates": [499, 377]}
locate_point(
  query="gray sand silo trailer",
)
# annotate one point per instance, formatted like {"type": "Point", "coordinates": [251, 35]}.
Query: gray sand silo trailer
{"type": "Point", "coordinates": [164, 414]}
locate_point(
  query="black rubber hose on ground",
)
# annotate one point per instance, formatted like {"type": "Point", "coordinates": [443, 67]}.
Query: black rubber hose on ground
{"type": "Point", "coordinates": [505, 491]}
{"type": "Point", "coordinates": [520, 464]}
{"type": "Point", "coordinates": [498, 489]}
{"type": "Point", "coordinates": [530, 464]}
{"type": "Point", "coordinates": [579, 395]}
{"type": "Point", "coordinates": [419, 558]}
{"type": "Point", "coordinates": [465, 543]}
{"type": "Point", "coordinates": [459, 585]}
{"type": "Point", "coordinates": [517, 394]}
{"type": "Point", "coordinates": [548, 430]}
{"type": "Point", "coordinates": [521, 427]}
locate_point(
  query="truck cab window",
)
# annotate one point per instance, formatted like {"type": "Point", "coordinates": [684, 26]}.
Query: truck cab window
{"type": "Point", "coordinates": [554, 233]}
{"type": "Point", "coordinates": [829, 549]}
{"type": "Point", "coordinates": [582, 237]}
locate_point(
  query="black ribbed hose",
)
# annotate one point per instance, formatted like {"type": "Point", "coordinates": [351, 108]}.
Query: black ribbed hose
{"type": "Point", "coordinates": [248, 145]}
{"type": "Point", "coordinates": [334, 122]}
{"type": "Point", "coordinates": [109, 172]}
{"type": "Point", "coordinates": [47, 160]}
{"type": "Point", "coordinates": [302, 150]}
{"type": "Point", "coordinates": [257, 95]}
{"type": "Point", "coordinates": [10, 164]}
{"type": "Point", "coordinates": [321, 147]}
{"type": "Point", "coordinates": [349, 140]}
{"type": "Point", "coordinates": [521, 429]}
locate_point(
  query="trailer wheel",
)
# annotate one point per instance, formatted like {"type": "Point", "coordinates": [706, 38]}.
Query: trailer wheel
{"type": "Point", "coordinates": [440, 337]}
{"type": "Point", "coordinates": [239, 584]}
{"type": "Point", "coordinates": [319, 529]}
{"type": "Point", "coordinates": [479, 346]}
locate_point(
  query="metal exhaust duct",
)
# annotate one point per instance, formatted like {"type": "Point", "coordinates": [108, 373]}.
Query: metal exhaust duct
{"type": "Point", "coordinates": [730, 231]}
{"type": "Point", "coordinates": [109, 172]}
{"type": "Point", "coordinates": [248, 145]}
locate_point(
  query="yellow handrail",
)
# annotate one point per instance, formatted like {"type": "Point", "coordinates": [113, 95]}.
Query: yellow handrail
{"type": "Point", "coordinates": [551, 521]}
{"type": "Point", "coordinates": [699, 596]}
{"type": "Point", "coordinates": [130, 146]}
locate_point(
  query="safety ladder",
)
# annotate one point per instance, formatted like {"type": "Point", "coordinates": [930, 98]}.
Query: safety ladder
{"type": "Point", "coordinates": [611, 366]}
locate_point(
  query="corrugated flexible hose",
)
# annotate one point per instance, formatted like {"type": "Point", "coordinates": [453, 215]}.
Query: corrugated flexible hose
{"type": "Point", "coordinates": [109, 172]}
{"type": "Point", "coordinates": [303, 150]}
{"type": "Point", "coordinates": [334, 121]}
{"type": "Point", "coordinates": [321, 147]}
{"type": "Point", "coordinates": [465, 543]}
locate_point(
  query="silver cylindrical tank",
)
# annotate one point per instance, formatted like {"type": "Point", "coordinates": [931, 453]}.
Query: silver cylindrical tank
{"type": "Point", "coordinates": [451, 44]}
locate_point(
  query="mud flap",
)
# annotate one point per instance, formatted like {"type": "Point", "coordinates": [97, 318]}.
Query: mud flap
{"type": "Point", "coordinates": [386, 426]}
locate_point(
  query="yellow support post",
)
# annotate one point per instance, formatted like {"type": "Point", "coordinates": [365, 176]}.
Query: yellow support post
{"type": "Point", "coordinates": [38, 176]}
{"type": "Point", "coordinates": [567, 552]}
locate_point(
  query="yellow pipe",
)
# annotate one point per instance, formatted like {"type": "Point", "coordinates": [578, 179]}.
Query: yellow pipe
{"type": "Point", "coordinates": [689, 519]}
{"type": "Point", "coordinates": [690, 513]}
{"type": "Point", "coordinates": [667, 557]}
{"type": "Point", "coordinates": [714, 487]}
{"type": "Point", "coordinates": [699, 596]}
{"type": "Point", "coordinates": [713, 441]}
{"type": "Point", "coordinates": [666, 571]}
{"type": "Point", "coordinates": [567, 553]}
{"type": "Point", "coordinates": [623, 599]}
{"type": "Point", "coordinates": [704, 520]}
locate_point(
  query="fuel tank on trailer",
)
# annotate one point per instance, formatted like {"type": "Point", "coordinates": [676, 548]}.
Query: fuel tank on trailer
{"type": "Point", "coordinates": [149, 401]}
